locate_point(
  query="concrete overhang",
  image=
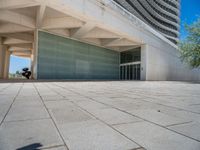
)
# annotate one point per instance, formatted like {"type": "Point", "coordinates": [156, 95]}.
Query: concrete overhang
{"type": "Point", "coordinates": [100, 22]}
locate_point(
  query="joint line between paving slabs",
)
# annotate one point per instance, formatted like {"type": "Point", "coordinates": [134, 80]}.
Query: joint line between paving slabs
{"type": "Point", "coordinates": [19, 90]}
{"type": "Point", "coordinates": [140, 146]}
{"type": "Point", "coordinates": [27, 120]}
{"type": "Point", "coordinates": [50, 147]}
{"type": "Point", "coordinates": [133, 115]}
{"type": "Point", "coordinates": [171, 125]}
{"type": "Point", "coordinates": [51, 116]}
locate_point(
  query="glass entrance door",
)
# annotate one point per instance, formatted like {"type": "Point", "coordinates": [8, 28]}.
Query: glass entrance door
{"type": "Point", "coordinates": [130, 72]}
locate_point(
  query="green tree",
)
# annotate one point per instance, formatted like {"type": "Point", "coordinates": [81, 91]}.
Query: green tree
{"type": "Point", "coordinates": [17, 72]}
{"type": "Point", "coordinates": [190, 47]}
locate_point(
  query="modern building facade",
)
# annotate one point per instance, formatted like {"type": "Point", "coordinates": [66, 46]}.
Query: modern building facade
{"type": "Point", "coordinates": [162, 15]}
{"type": "Point", "coordinates": [94, 39]}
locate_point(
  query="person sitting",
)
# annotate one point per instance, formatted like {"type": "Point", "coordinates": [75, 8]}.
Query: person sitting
{"type": "Point", "coordinates": [26, 73]}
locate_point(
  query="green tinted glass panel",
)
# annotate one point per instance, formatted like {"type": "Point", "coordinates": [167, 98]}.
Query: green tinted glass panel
{"type": "Point", "coordinates": [63, 58]}
{"type": "Point", "coordinates": [130, 56]}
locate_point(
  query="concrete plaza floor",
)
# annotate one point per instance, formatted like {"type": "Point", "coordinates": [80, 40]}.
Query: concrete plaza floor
{"type": "Point", "coordinates": [100, 116]}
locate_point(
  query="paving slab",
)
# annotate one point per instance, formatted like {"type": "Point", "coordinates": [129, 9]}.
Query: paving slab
{"type": "Point", "coordinates": [69, 115]}
{"type": "Point", "coordinates": [94, 115]}
{"type": "Point", "coordinates": [191, 129]}
{"type": "Point", "coordinates": [27, 103]}
{"type": "Point", "coordinates": [6, 99]}
{"type": "Point", "coordinates": [15, 135]}
{"type": "Point", "coordinates": [124, 104]}
{"type": "Point", "coordinates": [180, 114]}
{"type": "Point", "coordinates": [76, 98]}
{"type": "Point", "coordinates": [66, 112]}
{"type": "Point", "coordinates": [94, 135]}
{"type": "Point", "coordinates": [194, 108]}
{"type": "Point", "coordinates": [4, 86]}
{"type": "Point", "coordinates": [18, 113]}
{"type": "Point", "coordinates": [112, 116]}
{"type": "Point", "coordinates": [154, 137]}
{"type": "Point", "coordinates": [52, 97]}
{"type": "Point", "coordinates": [158, 117]}
{"type": "Point", "coordinates": [28, 98]}
{"type": "Point", "coordinates": [64, 104]}
{"type": "Point", "coordinates": [90, 105]}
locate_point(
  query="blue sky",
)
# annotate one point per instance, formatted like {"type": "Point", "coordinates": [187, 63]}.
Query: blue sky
{"type": "Point", "coordinates": [17, 63]}
{"type": "Point", "coordinates": [190, 11]}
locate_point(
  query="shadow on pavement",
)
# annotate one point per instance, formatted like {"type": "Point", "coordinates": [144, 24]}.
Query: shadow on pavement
{"type": "Point", "coordinates": [34, 146]}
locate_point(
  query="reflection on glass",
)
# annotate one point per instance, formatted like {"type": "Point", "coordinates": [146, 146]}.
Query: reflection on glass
{"type": "Point", "coordinates": [121, 73]}
{"type": "Point", "coordinates": [131, 56]}
{"type": "Point", "coordinates": [138, 72]}
{"type": "Point", "coordinates": [128, 73]}
{"type": "Point", "coordinates": [131, 72]}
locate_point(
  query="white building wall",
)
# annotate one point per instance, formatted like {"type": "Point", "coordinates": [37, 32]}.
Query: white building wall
{"type": "Point", "coordinates": [160, 60]}
{"type": "Point", "coordinates": [163, 63]}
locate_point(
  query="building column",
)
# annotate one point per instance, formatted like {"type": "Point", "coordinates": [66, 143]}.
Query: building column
{"type": "Point", "coordinates": [6, 64]}
{"type": "Point", "coordinates": [144, 54]}
{"type": "Point", "coordinates": [32, 62]}
{"type": "Point", "coordinates": [2, 58]}
{"type": "Point", "coordinates": [34, 56]}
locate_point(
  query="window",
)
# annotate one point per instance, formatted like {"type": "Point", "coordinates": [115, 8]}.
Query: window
{"type": "Point", "coordinates": [133, 55]}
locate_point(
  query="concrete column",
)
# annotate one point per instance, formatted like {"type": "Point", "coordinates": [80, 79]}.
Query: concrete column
{"type": "Point", "coordinates": [32, 63]}
{"type": "Point", "coordinates": [7, 64]}
{"type": "Point", "coordinates": [34, 56]}
{"type": "Point", "coordinates": [2, 58]}
{"type": "Point", "coordinates": [144, 54]}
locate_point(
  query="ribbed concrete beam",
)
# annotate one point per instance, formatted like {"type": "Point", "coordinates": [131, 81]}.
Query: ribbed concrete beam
{"type": "Point", "coordinates": [62, 22]}
{"type": "Point", "coordinates": [62, 32]}
{"type": "Point", "coordinates": [40, 15]}
{"type": "Point", "coordinates": [11, 41]}
{"type": "Point", "coordinates": [13, 28]}
{"type": "Point", "coordinates": [15, 48]}
{"type": "Point", "coordinates": [100, 33]}
{"type": "Point", "coordinates": [15, 4]}
{"type": "Point", "coordinates": [16, 18]}
{"type": "Point", "coordinates": [20, 36]}
{"type": "Point", "coordinates": [22, 45]}
{"type": "Point", "coordinates": [83, 30]}
{"type": "Point", "coordinates": [121, 42]}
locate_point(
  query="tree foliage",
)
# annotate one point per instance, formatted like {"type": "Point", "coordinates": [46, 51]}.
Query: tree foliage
{"type": "Point", "coordinates": [190, 47]}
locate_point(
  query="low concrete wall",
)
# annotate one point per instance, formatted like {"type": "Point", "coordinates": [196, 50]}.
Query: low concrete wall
{"type": "Point", "coordinates": [164, 63]}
